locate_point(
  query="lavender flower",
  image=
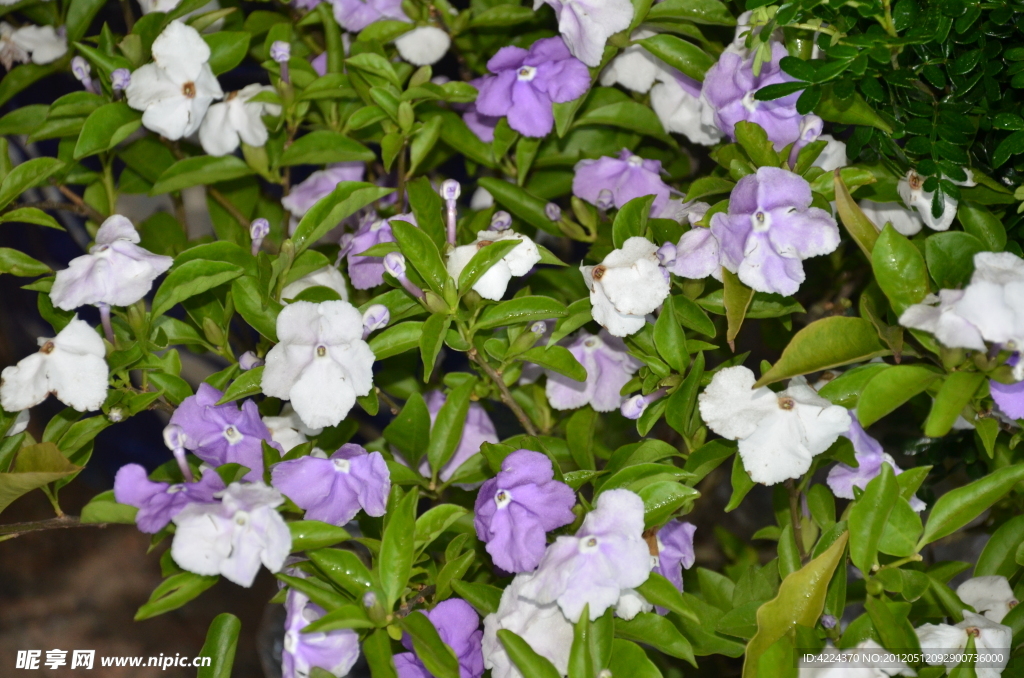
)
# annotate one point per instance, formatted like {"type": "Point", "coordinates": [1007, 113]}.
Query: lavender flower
{"type": "Point", "coordinates": [771, 228]}
{"type": "Point", "coordinates": [870, 456]}
{"type": "Point", "coordinates": [332, 490]}
{"type": "Point", "coordinates": [320, 183]}
{"type": "Point", "coordinates": [116, 271]}
{"type": "Point", "coordinates": [626, 177]}
{"type": "Point", "coordinates": [334, 651]}
{"type": "Point", "coordinates": [609, 366]}
{"type": "Point", "coordinates": [258, 230]}
{"type": "Point", "coordinates": [675, 550]}
{"type": "Point", "coordinates": [607, 555]}
{"type": "Point", "coordinates": [634, 408]}
{"type": "Point", "coordinates": [368, 272]}
{"type": "Point", "coordinates": [249, 360]}
{"type": "Point", "coordinates": [374, 318]}
{"type": "Point", "coordinates": [729, 88]}
{"type": "Point", "coordinates": [527, 83]}
{"type": "Point", "coordinates": [223, 434]}
{"type": "Point", "coordinates": [1008, 397]}
{"type": "Point", "coordinates": [477, 430]}
{"type": "Point", "coordinates": [697, 255]}
{"type": "Point", "coordinates": [233, 537]}
{"type": "Point", "coordinates": [120, 78]}
{"type": "Point", "coordinates": [515, 509]}
{"type": "Point", "coordinates": [458, 625]}
{"type": "Point", "coordinates": [280, 51]}
{"type": "Point", "coordinates": [355, 15]}
{"type": "Point", "coordinates": [586, 25]}
{"type": "Point", "coordinates": [158, 503]}
{"type": "Point", "coordinates": [82, 71]}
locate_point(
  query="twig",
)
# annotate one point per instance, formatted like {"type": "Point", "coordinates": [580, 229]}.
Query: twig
{"type": "Point", "coordinates": [392, 405]}
{"type": "Point", "coordinates": [230, 207]}
{"type": "Point", "coordinates": [405, 609]}
{"type": "Point", "coordinates": [506, 395]}
{"type": "Point", "coordinates": [13, 530]}
{"type": "Point", "coordinates": [53, 205]}
{"type": "Point", "coordinates": [89, 210]}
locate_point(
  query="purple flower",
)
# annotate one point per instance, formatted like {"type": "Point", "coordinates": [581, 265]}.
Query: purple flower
{"type": "Point", "coordinates": [481, 125]}
{"type": "Point", "coordinates": [634, 408]}
{"type": "Point", "coordinates": [459, 627]}
{"type": "Point", "coordinates": [355, 15]}
{"type": "Point", "coordinates": [1009, 398]}
{"type": "Point", "coordinates": [608, 367]}
{"type": "Point", "coordinates": [319, 62]}
{"type": "Point", "coordinates": [770, 228]}
{"type": "Point", "coordinates": [626, 177]}
{"type": "Point", "coordinates": [333, 490]}
{"type": "Point", "coordinates": [868, 451]}
{"type": "Point", "coordinates": [158, 503]}
{"type": "Point", "coordinates": [729, 88]}
{"type": "Point", "coordinates": [367, 272]}
{"type": "Point", "coordinates": [319, 184]}
{"type": "Point", "coordinates": [516, 509]}
{"type": "Point", "coordinates": [223, 434]}
{"type": "Point", "coordinates": [334, 651]}
{"type": "Point", "coordinates": [120, 78]}
{"type": "Point", "coordinates": [675, 551]}
{"type": "Point", "coordinates": [526, 83]}
{"type": "Point", "coordinates": [478, 430]}
{"type": "Point", "coordinates": [607, 556]}
{"type": "Point", "coordinates": [696, 255]}
{"type": "Point", "coordinates": [586, 25]}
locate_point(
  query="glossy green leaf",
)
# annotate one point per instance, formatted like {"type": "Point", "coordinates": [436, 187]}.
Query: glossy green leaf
{"type": "Point", "coordinates": [190, 279]}
{"type": "Point", "coordinates": [397, 549]}
{"type": "Point", "coordinates": [323, 146]}
{"type": "Point", "coordinates": [963, 504]}
{"type": "Point", "coordinates": [829, 342]}
{"type": "Point", "coordinates": [446, 431]}
{"type": "Point", "coordinates": [899, 270]}
{"type": "Point", "coordinates": [956, 391]}
{"type": "Point", "coordinates": [868, 517]}
{"type": "Point", "coordinates": [28, 174]}
{"type": "Point", "coordinates": [106, 127]}
{"type": "Point", "coordinates": [890, 388]}
{"type": "Point", "coordinates": [437, 658]}
{"type": "Point", "coordinates": [221, 643]}
{"type": "Point", "coordinates": [202, 169]}
{"type": "Point", "coordinates": [525, 658]}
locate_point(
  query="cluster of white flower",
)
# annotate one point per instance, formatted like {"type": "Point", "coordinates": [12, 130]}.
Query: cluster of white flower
{"type": "Point", "coordinates": [909, 221]}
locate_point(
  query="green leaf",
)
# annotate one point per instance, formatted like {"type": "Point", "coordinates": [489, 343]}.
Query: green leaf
{"type": "Point", "coordinates": [485, 257]}
{"type": "Point", "coordinates": [345, 617]}
{"type": "Point", "coordinates": [397, 549]}
{"type": "Point", "coordinates": [901, 532]}
{"type": "Point", "coordinates": [227, 49]}
{"type": "Point", "coordinates": [20, 264]}
{"type": "Point", "coordinates": [396, 339]}
{"type": "Point", "coordinates": [421, 251]}
{"type": "Point", "coordinates": [174, 592]}
{"type": "Point", "coordinates": [845, 389]}
{"type": "Point", "coordinates": [736, 297]}
{"type": "Point", "coordinates": [346, 199]}
{"type": "Point", "coordinates": [25, 75]}
{"type": "Point", "coordinates": [221, 643]}
{"type": "Point", "coordinates": [192, 278]}
{"type": "Point", "coordinates": [447, 429]}
{"type": "Point", "coordinates": [106, 127]}
{"type": "Point", "coordinates": [658, 632]}
{"type": "Point", "coordinates": [523, 656]}
{"type": "Point", "coordinates": [950, 257]}
{"type": "Point", "coordinates": [322, 147]}
{"type": "Point", "coordinates": [344, 568]}
{"type": "Point", "coordinates": [557, 359]}
{"type": "Point", "coordinates": [741, 484]}
{"type": "Point", "coordinates": [826, 343]}
{"type": "Point", "coordinates": [670, 339]}
{"type": "Point", "coordinates": [516, 200]}
{"type": "Point", "coordinates": [247, 384]}
{"type": "Point", "coordinates": [631, 220]}
{"type": "Point", "coordinates": [708, 457]}
{"type": "Point", "coordinates": [502, 15]}
{"type": "Point", "coordinates": [520, 310]}
{"type": "Point", "coordinates": [851, 111]}
{"type": "Point", "coordinates": [663, 499]}
{"type": "Point", "coordinates": [377, 648]}
{"type": "Point", "coordinates": [711, 185]}
{"type": "Point", "coordinates": [979, 221]}
{"type": "Point", "coordinates": [435, 521]}
{"type": "Point", "coordinates": [756, 143]}
{"type": "Point", "coordinates": [437, 658]}
{"type": "Point", "coordinates": [960, 506]}
{"type": "Point", "coordinates": [890, 388]}
{"type": "Point", "coordinates": [261, 313]}
{"type": "Point", "coordinates": [999, 555]}
{"type": "Point", "coordinates": [410, 429]}
{"type": "Point", "coordinates": [34, 466]}
{"type": "Point", "coordinates": [853, 218]}
{"type": "Point", "coordinates": [899, 270]}
{"type": "Point", "coordinates": [103, 509]}
{"type": "Point", "coordinates": [956, 391]}
{"type": "Point", "coordinates": [28, 174]}
{"type": "Point", "coordinates": [1008, 147]}
{"type": "Point", "coordinates": [79, 17]}
{"type": "Point", "coordinates": [483, 597]}
{"type": "Point", "coordinates": [309, 535]}
{"type": "Point", "coordinates": [200, 170]}
{"type": "Point", "coordinates": [710, 12]}
{"type": "Point", "coordinates": [661, 592]}
{"type": "Point", "coordinates": [30, 215]}
{"type": "Point", "coordinates": [434, 330]}
{"type": "Point", "coordinates": [629, 115]}
{"type": "Point", "coordinates": [629, 659]}
{"type": "Point", "coordinates": [799, 602]}
{"type": "Point", "coordinates": [868, 517]}
{"type": "Point", "coordinates": [679, 54]}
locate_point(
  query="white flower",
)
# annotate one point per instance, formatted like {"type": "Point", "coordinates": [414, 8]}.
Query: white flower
{"type": "Point", "coordinates": [904, 221]}
{"type": "Point", "coordinates": [19, 424]}
{"type": "Point", "coordinates": [148, 6]}
{"type": "Point", "coordinates": [631, 604]}
{"type": "Point", "coordinates": [288, 430]}
{"type": "Point", "coordinates": [328, 276]}
{"type": "Point", "coordinates": [178, 87]}
{"type": "Point", "coordinates": [942, 320]}
{"type": "Point", "coordinates": [677, 101]}
{"type": "Point", "coordinates": [423, 45]}
{"type": "Point", "coordinates": [236, 120]}
{"type": "Point", "coordinates": [41, 44]}
{"type": "Point", "coordinates": [994, 300]}
{"type": "Point", "coordinates": [321, 362]}
{"type": "Point", "coordinates": [990, 595]}
{"type": "Point", "coordinates": [71, 366]}
{"type": "Point", "coordinates": [778, 433]}
{"type": "Point", "coordinates": [517, 263]}
{"type": "Point", "coordinates": [911, 190]}
{"type": "Point", "coordinates": [626, 286]}
{"type": "Point", "coordinates": [586, 25]}
{"type": "Point", "coordinates": [481, 200]}
{"type": "Point", "coordinates": [232, 538]}
{"type": "Point", "coordinates": [833, 156]}
{"type": "Point", "coordinates": [855, 669]}
{"type": "Point", "coordinates": [635, 68]}
{"type": "Point", "coordinates": [988, 635]}
{"type": "Point", "coordinates": [116, 271]}
{"type": "Point", "coordinates": [543, 627]}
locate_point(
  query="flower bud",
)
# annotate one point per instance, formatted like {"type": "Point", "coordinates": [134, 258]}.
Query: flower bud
{"type": "Point", "coordinates": [120, 79]}
{"type": "Point", "coordinates": [667, 254]}
{"type": "Point", "coordinates": [174, 437]}
{"type": "Point", "coordinates": [369, 599]}
{"type": "Point", "coordinates": [280, 51]}
{"type": "Point", "coordinates": [501, 221]}
{"type": "Point", "coordinates": [115, 415]}
{"type": "Point", "coordinates": [376, 317]}
{"type": "Point", "coordinates": [451, 189]}
{"type": "Point", "coordinates": [605, 199]}
{"type": "Point", "coordinates": [81, 69]}
{"type": "Point", "coordinates": [249, 360]}
{"type": "Point", "coordinates": [828, 621]}
{"type": "Point", "coordinates": [539, 327]}
{"type": "Point", "coordinates": [553, 211]}
{"type": "Point", "coordinates": [394, 264]}
{"type": "Point", "coordinates": [258, 230]}
{"type": "Point", "coordinates": [634, 407]}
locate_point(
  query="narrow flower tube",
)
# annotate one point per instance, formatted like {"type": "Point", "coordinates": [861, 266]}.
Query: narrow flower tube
{"type": "Point", "coordinates": [634, 407]}
{"type": "Point", "coordinates": [258, 230]}
{"type": "Point", "coordinates": [174, 438]}
{"type": "Point", "coordinates": [450, 191]}
{"type": "Point", "coordinates": [281, 52]}
{"type": "Point", "coordinates": [394, 263]}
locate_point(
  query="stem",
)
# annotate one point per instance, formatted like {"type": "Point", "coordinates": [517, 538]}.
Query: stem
{"type": "Point", "coordinates": [916, 558]}
{"type": "Point", "coordinates": [235, 213]}
{"type": "Point", "coordinates": [129, 17]}
{"type": "Point", "coordinates": [392, 405]}
{"type": "Point", "coordinates": [53, 500]}
{"type": "Point", "coordinates": [506, 395]}
{"type": "Point", "coordinates": [794, 515]}
{"type": "Point", "coordinates": [13, 530]}
{"type": "Point", "coordinates": [52, 205]}
{"type": "Point", "coordinates": [108, 329]}
{"type": "Point", "coordinates": [400, 192]}
{"type": "Point", "coordinates": [108, 183]}
{"type": "Point", "coordinates": [89, 210]}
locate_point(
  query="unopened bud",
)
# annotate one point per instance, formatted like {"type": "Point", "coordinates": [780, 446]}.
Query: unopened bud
{"type": "Point", "coordinates": [667, 254]}
{"type": "Point", "coordinates": [115, 415]}
{"type": "Point", "coordinates": [394, 264]}
{"type": "Point", "coordinates": [634, 407]}
{"type": "Point", "coordinates": [258, 230]}
{"type": "Point", "coordinates": [120, 79]}
{"type": "Point", "coordinates": [501, 221]}
{"type": "Point", "coordinates": [174, 437]}
{"type": "Point", "coordinates": [605, 199]}
{"type": "Point", "coordinates": [280, 51]}
{"type": "Point", "coordinates": [376, 317]}
{"type": "Point", "coordinates": [553, 211]}
{"type": "Point", "coordinates": [451, 189]}
{"type": "Point", "coordinates": [539, 327]}
{"type": "Point", "coordinates": [828, 621]}
{"type": "Point", "coordinates": [249, 360]}
{"type": "Point", "coordinates": [369, 599]}
{"type": "Point", "coordinates": [81, 69]}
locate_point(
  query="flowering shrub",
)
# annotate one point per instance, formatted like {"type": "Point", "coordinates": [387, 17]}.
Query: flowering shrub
{"type": "Point", "coordinates": [477, 285]}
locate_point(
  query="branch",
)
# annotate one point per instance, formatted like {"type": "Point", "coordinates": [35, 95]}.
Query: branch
{"type": "Point", "coordinates": [12, 530]}
{"type": "Point", "coordinates": [506, 395]}
{"type": "Point", "coordinates": [53, 205]}
{"type": "Point", "coordinates": [229, 206]}
{"type": "Point", "coordinates": [89, 210]}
